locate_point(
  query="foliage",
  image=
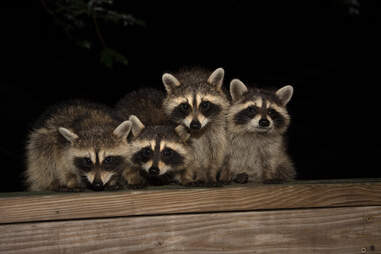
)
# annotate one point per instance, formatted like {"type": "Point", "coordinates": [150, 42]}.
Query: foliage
{"type": "Point", "coordinates": [77, 17]}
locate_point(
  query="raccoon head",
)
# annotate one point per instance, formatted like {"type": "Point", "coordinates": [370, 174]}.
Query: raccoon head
{"type": "Point", "coordinates": [98, 160]}
{"type": "Point", "coordinates": [158, 150]}
{"type": "Point", "coordinates": [195, 100]}
{"type": "Point", "coordinates": [258, 111]}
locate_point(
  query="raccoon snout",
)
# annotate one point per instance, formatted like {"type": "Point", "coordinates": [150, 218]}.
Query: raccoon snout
{"type": "Point", "coordinates": [263, 123]}
{"type": "Point", "coordinates": [195, 125]}
{"type": "Point", "coordinates": [154, 171]}
{"type": "Point", "coordinates": [97, 185]}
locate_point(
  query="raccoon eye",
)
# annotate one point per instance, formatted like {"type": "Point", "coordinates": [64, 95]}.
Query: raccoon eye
{"type": "Point", "coordinates": [252, 110]}
{"type": "Point", "coordinates": [167, 153]}
{"type": "Point", "coordinates": [184, 107]}
{"type": "Point", "coordinates": [147, 152]}
{"type": "Point", "coordinates": [83, 163]}
{"type": "Point", "coordinates": [108, 160]}
{"type": "Point", "coordinates": [205, 105]}
{"type": "Point", "coordinates": [271, 112]}
{"type": "Point", "coordinates": [87, 162]}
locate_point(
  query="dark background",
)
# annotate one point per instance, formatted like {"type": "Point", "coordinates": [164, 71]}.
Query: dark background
{"type": "Point", "coordinates": [328, 53]}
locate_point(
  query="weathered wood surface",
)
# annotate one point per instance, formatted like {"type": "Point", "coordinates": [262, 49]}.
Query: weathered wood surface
{"type": "Point", "coordinates": [176, 201]}
{"type": "Point", "coordinates": [304, 231]}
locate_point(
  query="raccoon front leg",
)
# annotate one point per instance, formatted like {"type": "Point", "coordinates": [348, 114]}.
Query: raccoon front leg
{"type": "Point", "coordinates": [286, 171]}
{"type": "Point", "coordinates": [241, 178]}
{"type": "Point", "coordinates": [116, 183]}
{"type": "Point", "coordinates": [212, 176]}
{"type": "Point", "coordinates": [190, 178]}
{"type": "Point", "coordinates": [218, 171]}
{"type": "Point", "coordinates": [72, 184]}
{"type": "Point", "coordinates": [134, 180]}
{"type": "Point", "coordinates": [187, 178]}
{"type": "Point", "coordinates": [225, 176]}
{"type": "Point", "coordinates": [276, 175]}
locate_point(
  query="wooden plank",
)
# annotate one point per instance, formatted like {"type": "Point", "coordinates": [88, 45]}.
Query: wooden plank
{"type": "Point", "coordinates": [329, 230]}
{"type": "Point", "coordinates": [187, 200]}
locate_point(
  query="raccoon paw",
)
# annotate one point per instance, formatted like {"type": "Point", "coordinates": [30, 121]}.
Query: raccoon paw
{"type": "Point", "coordinates": [273, 181]}
{"type": "Point", "coordinates": [241, 178]}
{"type": "Point", "coordinates": [225, 177]}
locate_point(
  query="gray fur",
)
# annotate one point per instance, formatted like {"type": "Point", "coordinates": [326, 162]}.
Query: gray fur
{"type": "Point", "coordinates": [209, 143]}
{"type": "Point", "coordinates": [123, 130]}
{"type": "Point", "coordinates": [217, 78]}
{"type": "Point", "coordinates": [164, 134]}
{"type": "Point", "coordinates": [137, 126]}
{"type": "Point", "coordinates": [170, 82]}
{"type": "Point", "coordinates": [237, 89]}
{"type": "Point", "coordinates": [284, 94]}
{"type": "Point", "coordinates": [67, 131]}
{"type": "Point", "coordinates": [260, 154]}
{"type": "Point", "coordinates": [70, 136]}
{"type": "Point", "coordinates": [144, 103]}
{"type": "Point", "coordinates": [144, 109]}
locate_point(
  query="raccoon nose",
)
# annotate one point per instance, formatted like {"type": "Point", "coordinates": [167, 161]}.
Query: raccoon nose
{"type": "Point", "coordinates": [195, 125]}
{"type": "Point", "coordinates": [264, 123]}
{"type": "Point", "coordinates": [97, 185]}
{"type": "Point", "coordinates": [154, 171]}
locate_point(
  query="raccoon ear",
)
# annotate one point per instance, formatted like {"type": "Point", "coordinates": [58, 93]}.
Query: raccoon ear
{"type": "Point", "coordinates": [285, 94]}
{"type": "Point", "coordinates": [217, 78]}
{"type": "Point", "coordinates": [237, 89]}
{"type": "Point", "coordinates": [182, 132]}
{"type": "Point", "coordinates": [170, 82]}
{"type": "Point", "coordinates": [123, 130]}
{"type": "Point", "coordinates": [69, 135]}
{"type": "Point", "coordinates": [137, 125]}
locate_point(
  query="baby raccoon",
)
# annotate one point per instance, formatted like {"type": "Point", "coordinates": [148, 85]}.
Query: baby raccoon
{"type": "Point", "coordinates": [145, 103]}
{"type": "Point", "coordinates": [196, 100]}
{"type": "Point", "coordinates": [159, 151]}
{"type": "Point", "coordinates": [256, 122]}
{"type": "Point", "coordinates": [76, 146]}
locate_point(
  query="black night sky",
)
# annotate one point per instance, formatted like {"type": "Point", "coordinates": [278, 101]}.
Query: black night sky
{"type": "Point", "coordinates": [328, 50]}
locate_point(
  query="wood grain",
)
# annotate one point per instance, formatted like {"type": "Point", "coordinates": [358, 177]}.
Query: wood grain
{"type": "Point", "coordinates": [304, 231]}
{"type": "Point", "coordinates": [187, 200]}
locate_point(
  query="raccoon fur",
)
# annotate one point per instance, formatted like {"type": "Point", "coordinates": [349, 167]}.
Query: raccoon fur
{"type": "Point", "coordinates": [196, 100]}
{"type": "Point", "coordinates": [144, 103]}
{"type": "Point", "coordinates": [256, 123]}
{"type": "Point", "coordinates": [76, 146]}
{"type": "Point", "coordinates": [159, 152]}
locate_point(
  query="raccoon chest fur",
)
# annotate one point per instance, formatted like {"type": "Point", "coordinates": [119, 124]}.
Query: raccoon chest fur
{"type": "Point", "coordinates": [253, 156]}
{"type": "Point", "coordinates": [210, 147]}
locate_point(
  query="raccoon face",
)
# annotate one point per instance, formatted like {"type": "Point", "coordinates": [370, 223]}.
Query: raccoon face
{"type": "Point", "coordinates": [195, 104]}
{"type": "Point", "coordinates": [97, 168]}
{"type": "Point", "coordinates": [157, 150]}
{"type": "Point", "coordinates": [258, 111]}
{"type": "Point", "coordinates": [96, 164]}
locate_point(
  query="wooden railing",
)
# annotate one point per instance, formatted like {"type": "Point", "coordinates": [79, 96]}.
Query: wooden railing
{"type": "Point", "coordinates": [300, 217]}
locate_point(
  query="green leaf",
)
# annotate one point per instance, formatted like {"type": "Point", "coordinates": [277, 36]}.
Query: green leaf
{"type": "Point", "coordinates": [110, 56]}
{"type": "Point", "coordinates": [84, 44]}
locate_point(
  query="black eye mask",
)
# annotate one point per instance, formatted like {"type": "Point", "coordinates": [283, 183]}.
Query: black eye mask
{"type": "Point", "coordinates": [143, 155]}
{"type": "Point", "coordinates": [245, 115]}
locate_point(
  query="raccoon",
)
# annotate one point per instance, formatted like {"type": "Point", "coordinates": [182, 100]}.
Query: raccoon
{"type": "Point", "coordinates": [76, 146]}
{"type": "Point", "coordinates": [145, 103]}
{"type": "Point", "coordinates": [256, 123]}
{"type": "Point", "coordinates": [196, 100]}
{"type": "Point", "coordinates": [159, 152]}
